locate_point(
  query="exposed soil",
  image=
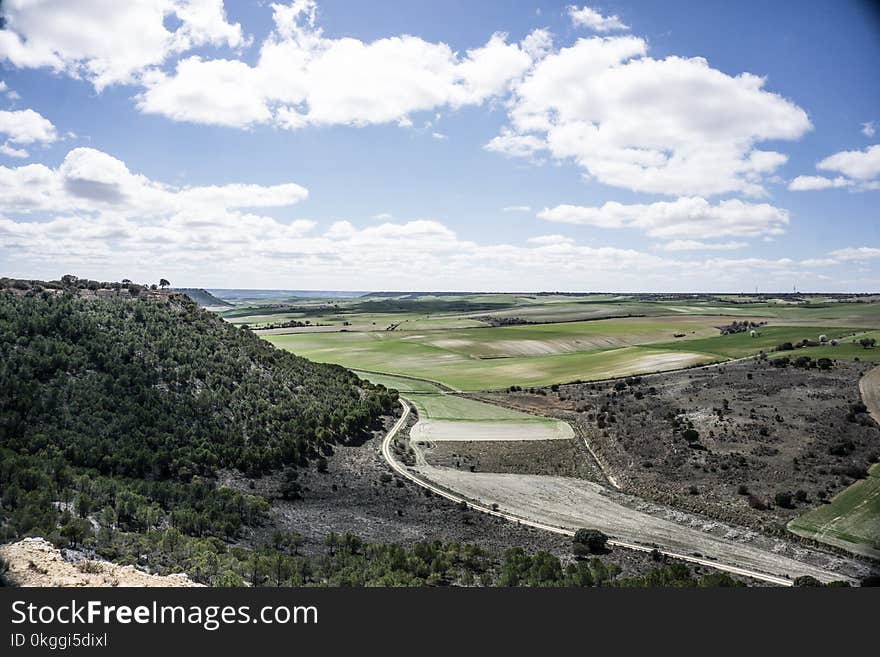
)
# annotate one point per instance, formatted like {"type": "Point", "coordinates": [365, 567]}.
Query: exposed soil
{"type": "Point", "coordinates": [722, 441]}
{"type": "Point", "coordinates": [359, 494]}
{"type": "Point", "coordinates": [573, 503]}
{"type": "Point", "coordinates": [566, 458]}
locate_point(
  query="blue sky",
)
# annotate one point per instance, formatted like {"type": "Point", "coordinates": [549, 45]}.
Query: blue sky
{"type": "Point", "coordinates": [421, 145]}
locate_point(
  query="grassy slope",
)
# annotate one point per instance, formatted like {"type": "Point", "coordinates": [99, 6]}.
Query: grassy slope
{"type": "Point", "coordinates": [850, 521]}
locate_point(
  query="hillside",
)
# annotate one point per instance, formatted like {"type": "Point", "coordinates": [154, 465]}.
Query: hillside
{"type": "Point", "coordinates": [202, 297]}
{"type": "Point", "coordinates": [117, 412]}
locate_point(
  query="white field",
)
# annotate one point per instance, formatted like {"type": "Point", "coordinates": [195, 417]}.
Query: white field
{"type": "Point", "coordinates": [484, 430]}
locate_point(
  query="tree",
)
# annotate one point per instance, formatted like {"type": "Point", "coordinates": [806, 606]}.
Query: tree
{"type": "Point", "coordinates": [332, 541]}
{"type": "Point", "coordinates": [163, 283]}
{"type": "Point", "coordinates": [807, 580]}
{"type": "Point", "coordinates": [783, 499]}
{"type": "Point", "coordinates": [74, 532]}
{"type": "Point", "coordinates": [868, 342]}
{"type": "Point", "coordinates": [107, 520]}
{"type": "Point", "coordinates": [589, 541]}
{"type": "Point", "coordinates": [83, 504]}
{"type": "Point", "coordinates": [290, 488]}
{"type": "Point", "coordinates": [295, 541]}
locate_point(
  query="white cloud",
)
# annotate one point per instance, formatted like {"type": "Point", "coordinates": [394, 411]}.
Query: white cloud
{"type": "Point", "coordinates": [91, 183]}
{"type": "Point", "coordinates": [24, 127]}
{"type": "Point", "coordinates": [869, 129]}
{"type": "Point", "coordinates": [217, 92]}
{"type": "Point", "coordinates": [806, 183]}
{"type": "Point", "coordinates": [594, 20]}
{"type": "Point", "coordinates": [669, 126]}
{"type": "Point", "coordinates": [517, 208]}
{"type": "Point", "coordinates": [685, 218]}
{"type": "Point", "coordinates": [439, 136]}
{"type": "Point", "coordinates": [860, 169]}
{"type": "Point", "coordinates": [514, 145]}
{"type": "Point", "coordinates": [857, 254]}
{"type": "Point", "coordinates": [108, 41]}
{"type": "Point", "coordinates": [92, 215]}
{"type": "Point", "coordinates": [11, 151]}
{"type": "Point", "coordinates": [861, 165]}
{"type": "Point", "coordinates": [304, 78]}
{"type": "Point", "coordinates": [27, 127]}
{"type": "Point", "coordinates": [696, 245]}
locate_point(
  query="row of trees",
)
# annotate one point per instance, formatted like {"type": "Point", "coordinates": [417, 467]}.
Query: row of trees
{"type": "Point", "coordinates": [348, 561]}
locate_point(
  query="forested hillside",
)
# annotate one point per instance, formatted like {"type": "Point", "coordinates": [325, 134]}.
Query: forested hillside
{"type": "Point", "coordinates": [127, 406]}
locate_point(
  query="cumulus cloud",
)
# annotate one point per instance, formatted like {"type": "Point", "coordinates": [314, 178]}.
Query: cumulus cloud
{"type": "Point", "coordinates": [92, 214]}
{"type": "Point", "coordinates": [861, 165]}
{"type": "Point", "coordinates": [807, 183]}
{"type": "Point", "coordinates": [92, 205]}
{"type": "Point", "coordinates": [869, 129]}
{"type": "Point", "coordinates": [672, 126]}
{"type": "Point", "coordinates": [27, 127]}
{"type": "Point", "coordinates": [24, 127]}
{"type": "Point", "coordinates": [107, 41]}
{"type": "Point", "coordinates": [687, 218]}
{"type": "Point", "coordinates": [304, 78]}
{"type": "Point", "coordinates": [668, 126]}
{"type": "Point", "coordinates": [594, 20]}
{"type": "Point", "coordinates": [860, 170]}
{"type": "Point", "coordinates": [91, 181]}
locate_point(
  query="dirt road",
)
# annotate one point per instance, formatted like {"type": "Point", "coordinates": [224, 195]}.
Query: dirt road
{"type": "Point", "coordinates": [869, 386]}
{"type": "Point", "coordinates": [562, 505]}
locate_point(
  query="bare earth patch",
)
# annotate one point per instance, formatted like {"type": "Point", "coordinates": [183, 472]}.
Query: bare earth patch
{"type": "Point", "coordinates": [441, 430]}
{"type": "Point", "coordinates": [572, 503]}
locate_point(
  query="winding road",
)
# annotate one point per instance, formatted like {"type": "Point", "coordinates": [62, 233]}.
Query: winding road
{"type": "Point", "coordinates": [562, 505]}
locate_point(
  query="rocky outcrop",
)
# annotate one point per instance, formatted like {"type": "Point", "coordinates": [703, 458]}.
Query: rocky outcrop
{"type": "Point", "coordinates": [36, 562]}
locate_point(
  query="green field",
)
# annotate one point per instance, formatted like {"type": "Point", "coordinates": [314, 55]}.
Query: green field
{"type": "Point", "coordinates": [850, 521]}
{"type": "Point", "coordinates": [452, 407]}
{"type": "Point", "coordinates": [491, 341]}
{"type": "Point", "coordinates": [848, 349]}
{"type": "Point", "coordinates": [739, 345]}
{"type": "Point", "coordinates": [438, 312]}
{"type": "Point", "coordinates": [461, 372]}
